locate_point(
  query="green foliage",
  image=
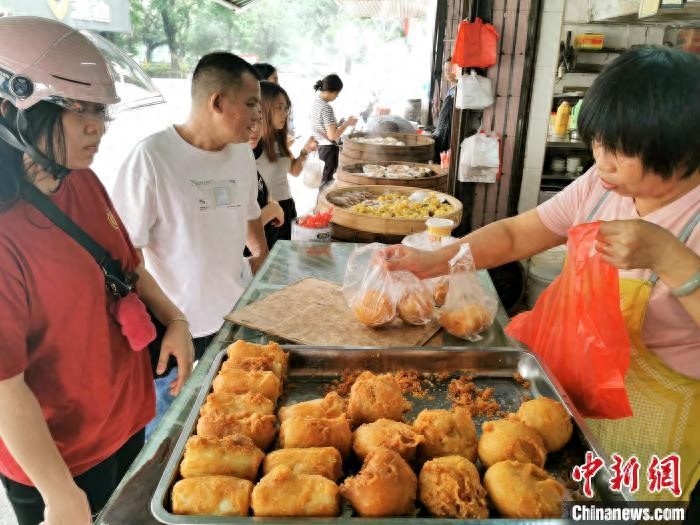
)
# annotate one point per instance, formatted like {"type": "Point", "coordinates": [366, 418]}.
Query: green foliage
{"type": "Point", "coordinates": [273, 30]}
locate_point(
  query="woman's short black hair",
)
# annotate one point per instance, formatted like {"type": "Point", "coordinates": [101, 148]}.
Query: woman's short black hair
{"type": "Point", "coordinates": [646, 104]}
{"type": "Point", "coordinates": [330, 83]}
{"type": "Point", "coordinates": [265, 70]}
{"type": "Point", "coordinates": [43, 129]}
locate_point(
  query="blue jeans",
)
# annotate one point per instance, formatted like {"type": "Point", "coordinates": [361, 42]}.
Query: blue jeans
{"type": "Point", "coordinates": [162, 384]}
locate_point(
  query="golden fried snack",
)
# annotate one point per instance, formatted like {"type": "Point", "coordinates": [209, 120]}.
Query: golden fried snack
{"type": "Point", "coordinates": [523, 490]}
{"type": "Point", "coordinates": [446, 433]}
{"type": "Point", "coordinates": [550, 419]}
{"type": "Point", "coordinates": [385, 486]}
{"type": "Point", "coordinates": [467, 320]}
{"type": "Point", "coordinates": [450, 487]}
{"type": "Point", "coordinates": [238, 404]}
{"type": "Point", "coordinates": [284, 493]}
{"type": "Point", "coordinates": [261, 429]}
{"type": "Point", "coordinates": [416, 306]}
{"type": "Point", "coordinates": [306, 432]}
{"type": "Point", "coordinates": [510, 439]}
{"type": "Point", "coordinates": [241, 381]}
{"type": "Point", "coordinates": [440, 291]}
{"type": "Point", "coordinates": [250, 356]}
{"type": "Point", "coordinates": [322, 461]}
{"type": "Point", "coordinates": [328, 407]}
{"type": "Point", "coordinates": [212, 495]}
{"type": "Point", "coordinates": [234, 455]}
{"type": "Point", "coordinates": [373, 397]}
{"type": "Point", "coordinates": [374, 309]}
{"type": "Point", "coordinates": [396, 436]}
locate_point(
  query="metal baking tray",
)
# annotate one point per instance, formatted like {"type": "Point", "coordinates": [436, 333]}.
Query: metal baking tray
{"type": "Point", "coordinates": [311, 369]}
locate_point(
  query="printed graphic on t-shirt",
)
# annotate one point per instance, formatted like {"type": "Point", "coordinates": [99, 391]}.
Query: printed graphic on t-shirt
{"type": "Point", "coordinates": [214, 194]}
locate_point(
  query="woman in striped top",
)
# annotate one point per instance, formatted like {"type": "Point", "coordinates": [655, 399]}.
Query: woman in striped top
{"type": "Point", "coordinates": [326, 130]}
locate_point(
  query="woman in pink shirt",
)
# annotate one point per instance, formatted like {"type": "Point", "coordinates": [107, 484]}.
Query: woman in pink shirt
{"type": "Point", "coordinates": [641, 118]}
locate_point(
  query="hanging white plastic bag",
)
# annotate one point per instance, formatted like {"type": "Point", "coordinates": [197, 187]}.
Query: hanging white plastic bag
{"type": "Point", "coordinates": [312, 174]}
{"type": "Point", "coordinates": [479, 158]}
{"type": "Point", "coordinates": [468, 309]}
{"type": "Point", "coordinates": [474, 92]}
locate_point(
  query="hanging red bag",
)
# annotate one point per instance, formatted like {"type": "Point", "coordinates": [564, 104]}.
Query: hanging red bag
{"type": "Point", "coordinates": [577, 329]}
{"type": "Point", "coordinates": [476, 44]}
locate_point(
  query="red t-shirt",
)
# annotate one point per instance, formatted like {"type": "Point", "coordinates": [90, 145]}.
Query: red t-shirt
{"type": "Point", "coordinates": [55, 326]}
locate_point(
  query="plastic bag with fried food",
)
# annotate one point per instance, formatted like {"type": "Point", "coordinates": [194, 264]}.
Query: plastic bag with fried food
{"type": "Point", "coordinates": [469, 309]}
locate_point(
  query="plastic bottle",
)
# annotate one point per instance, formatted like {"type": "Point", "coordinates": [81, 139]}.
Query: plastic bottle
{"type": "Point", "coordinates": [561, 122]}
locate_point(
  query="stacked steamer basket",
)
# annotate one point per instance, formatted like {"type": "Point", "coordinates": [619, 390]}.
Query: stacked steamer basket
{"type": "Point", "coordinates": [351, 226]}
{"type": "Point", "coordinates": [371, 148]}
{"type": "Point", "coordinates": [392, 173]}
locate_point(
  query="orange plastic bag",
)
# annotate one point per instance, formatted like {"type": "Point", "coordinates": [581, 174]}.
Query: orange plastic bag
{"type": "Point", "coordinates": [476, 44]}
{"type": "Point", "coordinates": [577, 329]}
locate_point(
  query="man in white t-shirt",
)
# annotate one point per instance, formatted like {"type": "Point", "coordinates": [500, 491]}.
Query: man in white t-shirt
{"type": "Point", "coordinates": [188, 197]}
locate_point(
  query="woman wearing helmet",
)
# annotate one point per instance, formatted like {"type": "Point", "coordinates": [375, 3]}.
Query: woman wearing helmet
{"type": "Point", "coordinates": [74, 395]}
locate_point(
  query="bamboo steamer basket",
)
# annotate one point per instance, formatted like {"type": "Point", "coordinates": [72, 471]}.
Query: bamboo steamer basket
{"type": "Point", "coordinates": [356, 227]}
{"type": "Point", "coordinates": [418, 148]}
{"type": "Point", "coordinates": [352, 175]}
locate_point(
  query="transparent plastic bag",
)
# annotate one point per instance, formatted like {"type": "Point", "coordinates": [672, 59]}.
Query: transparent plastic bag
{"type": "Point", "coordinates": [468, 309]}
{"type": "Point", "coordinates": [435, 236]}
{"type": "Point", "coordinates": [369, 289]}
{"type": "Point", "coordinates": [415, 300]}
{"type": "Point", "coordinates": [312, 173]}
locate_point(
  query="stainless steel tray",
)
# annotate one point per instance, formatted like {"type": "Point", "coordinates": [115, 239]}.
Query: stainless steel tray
{"type": "Point", "coordinates": [311, 369]}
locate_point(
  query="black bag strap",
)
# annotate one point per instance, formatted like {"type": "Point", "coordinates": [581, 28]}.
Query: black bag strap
{"type": "Point", "coordinates": [116, 280]}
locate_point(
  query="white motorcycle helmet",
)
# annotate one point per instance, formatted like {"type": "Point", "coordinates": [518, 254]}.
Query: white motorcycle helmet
{"type": "Point", "coordinates": [45, 60]}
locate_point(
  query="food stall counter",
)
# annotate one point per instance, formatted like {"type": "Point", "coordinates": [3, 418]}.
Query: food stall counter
{"type": "Point", "coordinates": [288, 262]}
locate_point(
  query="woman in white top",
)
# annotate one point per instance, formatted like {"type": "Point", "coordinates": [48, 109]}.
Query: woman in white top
{"type": "Point", "coordinates": [326, 130]}
{"type": "Point", "coordinates": [274, 159]}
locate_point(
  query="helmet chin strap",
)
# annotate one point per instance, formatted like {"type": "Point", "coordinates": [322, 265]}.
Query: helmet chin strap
{"type": "Point", "coordinates": [18, 142]}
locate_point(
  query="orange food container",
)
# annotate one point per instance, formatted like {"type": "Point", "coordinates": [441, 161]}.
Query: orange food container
{"type": "Point", "coordinates": [589, 41]}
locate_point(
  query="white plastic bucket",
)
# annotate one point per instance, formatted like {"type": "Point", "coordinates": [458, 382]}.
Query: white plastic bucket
{"type": "Point", "coordinates": [301, 233]}
{"type": "Point", "coordinates": [543, 269]}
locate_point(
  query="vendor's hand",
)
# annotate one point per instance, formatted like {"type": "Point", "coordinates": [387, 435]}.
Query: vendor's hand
{"type": "Point", "coordinates": [177, 342]}
{"type": "Point", "coordinates": [67, 507]}
{"type": "Point", "coordinates": [352, 120]}
{"type": "Point", "coordinates": [278, 213]}
{"type": "Point", "coordinates": [422, 264]}
{"type": "Point", "coordinates": [635, 243]}
{"type": "Point", "coordinates": [310, 145]}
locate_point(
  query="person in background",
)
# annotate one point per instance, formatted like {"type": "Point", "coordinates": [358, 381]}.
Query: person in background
{"type": "Point", "coordinates": [267, 72]}
{"type": "Point", "coordinates": [271, 213]}
{"type": "Point", "coordinates": [74, 395]}
{"type": "Point", "coordinates": [443, 128]}
{"type": "Point", "coordinates": [189, 198]}
{"type": "Point", "coordinates": [326, 130]}
{"type": "Point", "coordinates": [645, 186]}
{"type": "Point", "coordinates": [274, 159]}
